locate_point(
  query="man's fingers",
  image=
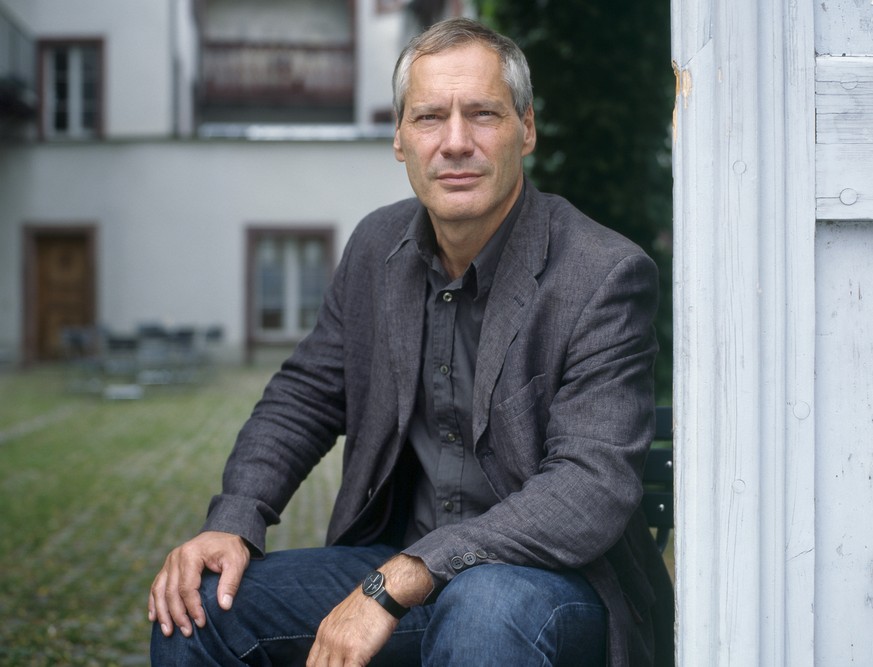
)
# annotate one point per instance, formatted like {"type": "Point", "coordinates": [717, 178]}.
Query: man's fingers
{"type": "Point", "coordinates": [158, 611]}
{"type": "Point", "coordinates": [189, 593]}
{"type": "Point", "coordinates": [232, 565]}
{"type": "Point", "coordinates": [228, 584]}
{"type": "Point", "coordinates": [176, 604]}
{"type": "Point", "coordinates": [174, 599]}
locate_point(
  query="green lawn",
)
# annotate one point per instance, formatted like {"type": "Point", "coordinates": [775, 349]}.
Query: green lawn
{"type": "Point", "coordinates": [93, 493]}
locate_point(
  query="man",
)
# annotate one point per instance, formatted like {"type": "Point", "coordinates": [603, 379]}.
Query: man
{"type": "Point", "coordinates": [487, 351]}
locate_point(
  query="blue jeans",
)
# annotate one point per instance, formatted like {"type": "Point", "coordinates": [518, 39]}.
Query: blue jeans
{"type": "Point", "coordinates": [488, 615]}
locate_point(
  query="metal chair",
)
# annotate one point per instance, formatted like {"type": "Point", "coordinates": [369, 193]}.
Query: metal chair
{"type": "Point", "coordinates": [658, 478]}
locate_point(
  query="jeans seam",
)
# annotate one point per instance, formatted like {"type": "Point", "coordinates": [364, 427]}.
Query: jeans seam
{"type": "Point", "coordinates": [277, 638]}
{"type": "Point", "coordinates": [549, 620]}
{"type": "Point", "coordinates": [260, 640]}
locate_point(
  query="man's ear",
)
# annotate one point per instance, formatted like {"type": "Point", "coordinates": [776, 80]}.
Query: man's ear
{"type": "Point", "coordinates": [398, 146]}
{"type": "Point", "coordinates": [530, 132]}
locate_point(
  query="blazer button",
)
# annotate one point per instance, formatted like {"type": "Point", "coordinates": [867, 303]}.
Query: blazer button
{"type": "Point", "coordinates": [470, 558]}
{"type": "Point", "coordinates": [482, 554]}
{"type": "Point", "coordinates": [457, 563]}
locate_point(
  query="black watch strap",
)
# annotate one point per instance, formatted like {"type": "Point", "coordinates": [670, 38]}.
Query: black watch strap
{"type": "Point", "coordinates": [374, 587]}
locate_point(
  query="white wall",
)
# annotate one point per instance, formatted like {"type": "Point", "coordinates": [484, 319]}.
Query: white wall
{"type": "Point", "coordinates": [844, 432]}
{"type": "Point", "coordinates": [171, 216]}
{"type": "Point", "coordinates": [137, 54]}
{"type": "Point", "coordinates": [381, 38]}
{"type": "Point", "coordinates": [184, 66]}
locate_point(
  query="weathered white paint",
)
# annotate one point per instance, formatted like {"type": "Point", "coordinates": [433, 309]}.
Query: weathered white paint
{"type": "Point", "coordinates": [844, 335]}
{"type": "Point", "coordinates": [844, 134]}
{"type": "Point", "coordinates": [744, 332]}
{"type": "Point", "coordinates": [844, 27]}
{"type": "Point", "coordinates": [844, 432]}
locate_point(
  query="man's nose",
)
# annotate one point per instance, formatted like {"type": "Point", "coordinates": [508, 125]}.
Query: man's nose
{"type": "Point", "coordinates": [457, 137]}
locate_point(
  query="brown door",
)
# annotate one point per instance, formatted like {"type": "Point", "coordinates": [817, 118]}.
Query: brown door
{"type": "Point", "coordinates": [61, 289]}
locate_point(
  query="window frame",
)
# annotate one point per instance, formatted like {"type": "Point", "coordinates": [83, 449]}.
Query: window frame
{"type": "Point", "coordinates": [254, 235]}
{"type": "Point", "coordinates": [45, 49]}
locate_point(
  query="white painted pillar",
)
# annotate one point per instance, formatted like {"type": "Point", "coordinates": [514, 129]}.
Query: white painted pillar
{"type": "Point", "coordinates": [744, 329]}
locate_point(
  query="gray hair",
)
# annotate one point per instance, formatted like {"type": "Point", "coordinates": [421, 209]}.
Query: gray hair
{"type": "Point", "coordinates": [460, 32]}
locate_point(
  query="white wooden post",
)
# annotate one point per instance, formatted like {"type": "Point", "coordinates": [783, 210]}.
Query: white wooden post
{"type": "Point", "coordinates": [744, 328]}
{"type": "Point", "coordinates": [844, 333]}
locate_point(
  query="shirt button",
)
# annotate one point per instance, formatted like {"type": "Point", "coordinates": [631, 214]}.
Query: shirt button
{"type": "Point", "coordinates": [448, 506]}
{"type": "Point", "coordinates": [451, 437]}
{"type": "Point", "coordinates": [447, 297]}
{"type": "Point", "coordinates": [444, 369]}
{"type": "Point", "coordinates": [470, 558]}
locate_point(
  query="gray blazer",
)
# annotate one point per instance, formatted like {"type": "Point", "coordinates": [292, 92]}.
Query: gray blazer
{"type": "Point", "coordinates": [562, 410]}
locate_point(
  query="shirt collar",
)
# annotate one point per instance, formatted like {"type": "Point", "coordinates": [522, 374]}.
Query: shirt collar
{"type": "Point", "coordinates": [480, 274]}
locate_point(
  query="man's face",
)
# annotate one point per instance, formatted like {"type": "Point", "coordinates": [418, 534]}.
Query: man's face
{"type": "Point", "coordinates": [460, 137]}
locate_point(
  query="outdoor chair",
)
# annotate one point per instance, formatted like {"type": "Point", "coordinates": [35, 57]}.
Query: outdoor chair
{"type": "Point", "coordinates": [658, 478]}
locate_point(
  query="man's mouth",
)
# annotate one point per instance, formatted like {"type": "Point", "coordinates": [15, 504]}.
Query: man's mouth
{"type": "Point", "coordinates": [458, 177]}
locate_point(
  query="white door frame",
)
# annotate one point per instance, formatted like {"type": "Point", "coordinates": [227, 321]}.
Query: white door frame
{"type": "Point", "coordinates": [744, 331]}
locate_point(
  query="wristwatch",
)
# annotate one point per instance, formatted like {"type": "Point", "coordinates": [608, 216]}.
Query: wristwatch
{"type": "Point", "coordinates": [374, 587]}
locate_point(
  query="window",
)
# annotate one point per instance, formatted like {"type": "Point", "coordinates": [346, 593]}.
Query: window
{"type": "Point", "coordinates": [71, 89]}
{"type": "Point", "coordinates": [288, 273]}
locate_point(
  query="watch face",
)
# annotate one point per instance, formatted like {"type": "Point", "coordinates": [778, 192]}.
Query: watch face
{"type": "Point", "coordinates": [373, 583]}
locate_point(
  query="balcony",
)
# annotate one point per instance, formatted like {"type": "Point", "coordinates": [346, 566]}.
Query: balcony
{"type": "Point", "coordinates": [17, 77]}
{"type": "Point", "coordinates": [250, 81]}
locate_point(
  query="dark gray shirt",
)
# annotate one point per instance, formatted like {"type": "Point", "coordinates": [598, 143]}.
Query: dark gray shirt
{"type": "Point", "coordinates": [449, 484]}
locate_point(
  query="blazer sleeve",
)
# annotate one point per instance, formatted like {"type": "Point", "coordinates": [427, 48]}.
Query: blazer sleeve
{"type": "Point", "coordinates": [600, 422]}
{"type": "Point", "coordinates": [294, 424]}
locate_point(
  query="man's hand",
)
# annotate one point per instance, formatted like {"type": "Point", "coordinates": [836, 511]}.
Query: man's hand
{"type": "Point", "coordinates": [175, 598]}
{"type": "Point", "coordinates": [358, 627]}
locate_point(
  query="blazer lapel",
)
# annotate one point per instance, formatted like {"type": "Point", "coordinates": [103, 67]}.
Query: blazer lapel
{"type": "Point", "coordinates": [515, 285]}
{"type": "Point", "coordinates": [405, 286]}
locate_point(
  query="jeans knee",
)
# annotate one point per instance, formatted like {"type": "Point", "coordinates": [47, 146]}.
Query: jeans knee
{"type": "Point", "coordinates": [502, 614]}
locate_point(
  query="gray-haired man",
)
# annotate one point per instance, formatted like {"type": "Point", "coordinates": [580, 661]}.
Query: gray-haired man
{"type": "Point", "coordinates": [487, 351]}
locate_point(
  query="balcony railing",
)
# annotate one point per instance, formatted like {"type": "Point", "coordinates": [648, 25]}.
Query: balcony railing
{"type": "Point", "coordinates": [17, 71]}
{"type": "Point", "coordinates": [277, 74]}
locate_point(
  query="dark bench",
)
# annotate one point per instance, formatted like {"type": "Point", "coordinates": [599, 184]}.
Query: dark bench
{"type": "Point", "coordinates": [658, 478]}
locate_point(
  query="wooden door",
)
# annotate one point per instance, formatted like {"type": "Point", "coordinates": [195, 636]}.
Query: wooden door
{"type": "Point", "coordinates": [61, 289]}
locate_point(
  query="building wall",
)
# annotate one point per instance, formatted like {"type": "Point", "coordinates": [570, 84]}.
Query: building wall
{"type": "Point", "coordinates": [138, 55]}
{"type": "Point", "coordinates": [375, 63]}
{"type": "Point", "coordinates": [170, 217]}
{"type": "Point", "coordinates": [169, 211]}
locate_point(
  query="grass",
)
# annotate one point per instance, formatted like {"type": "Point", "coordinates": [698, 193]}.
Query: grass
{"type": "Point", "coordinates": [94, 493]}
